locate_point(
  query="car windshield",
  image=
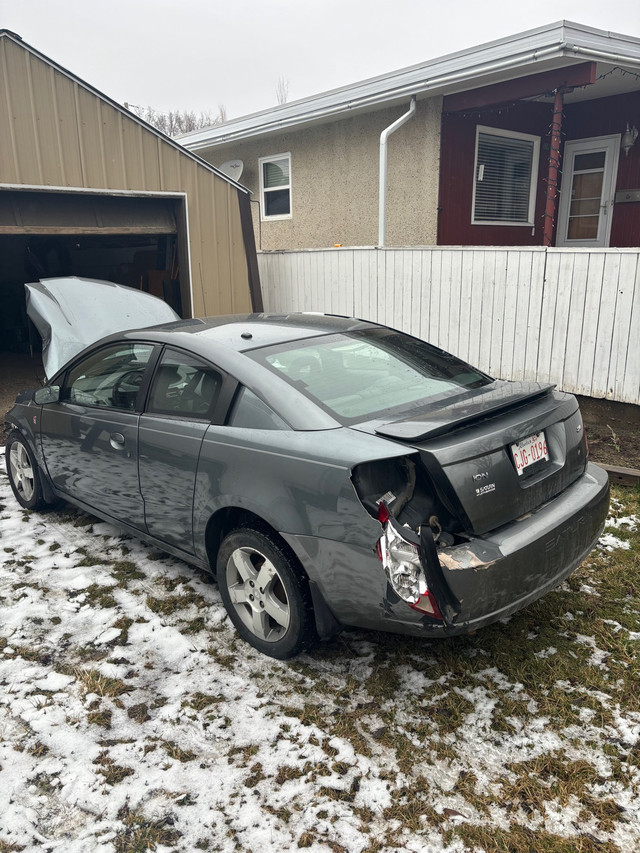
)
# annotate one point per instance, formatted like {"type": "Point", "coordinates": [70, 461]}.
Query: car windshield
{"type": "Point", "coordinates": [360, 375]}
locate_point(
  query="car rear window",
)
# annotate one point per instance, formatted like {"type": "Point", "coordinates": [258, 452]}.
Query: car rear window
{"type": "Point", "coordinates": [363, 374]}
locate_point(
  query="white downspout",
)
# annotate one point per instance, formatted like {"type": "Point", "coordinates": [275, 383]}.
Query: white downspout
{"type": "Point", "coordinates": [382, 191]}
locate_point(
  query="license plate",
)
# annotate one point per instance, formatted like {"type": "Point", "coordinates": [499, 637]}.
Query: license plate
{"type": "Point", "coordinates": [528, 451]}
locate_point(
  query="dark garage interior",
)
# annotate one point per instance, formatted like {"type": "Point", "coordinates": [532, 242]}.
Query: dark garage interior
{"type": "Point", "coordinates": [128, 240]}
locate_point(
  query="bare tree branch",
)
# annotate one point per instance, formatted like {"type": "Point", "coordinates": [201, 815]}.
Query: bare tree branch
{"type": "Point", "coordinates": [175, 122]}
{"type": "Point", "coordinates": [282, 90]}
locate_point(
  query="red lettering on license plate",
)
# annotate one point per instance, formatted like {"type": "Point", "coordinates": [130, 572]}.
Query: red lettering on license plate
{"type": "Point", "coordinates": [528, 451]}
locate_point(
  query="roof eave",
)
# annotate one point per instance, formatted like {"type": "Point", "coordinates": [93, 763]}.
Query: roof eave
{"type": "Point", "coordinates": [562, 41]}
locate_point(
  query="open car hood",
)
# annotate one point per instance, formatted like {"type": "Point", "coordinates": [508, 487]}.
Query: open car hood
{"type": "Point", "coordinates": [72, 313]}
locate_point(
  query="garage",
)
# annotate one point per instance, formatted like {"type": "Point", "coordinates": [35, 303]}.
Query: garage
{"type": "Point", "coordinates": [88, 189]}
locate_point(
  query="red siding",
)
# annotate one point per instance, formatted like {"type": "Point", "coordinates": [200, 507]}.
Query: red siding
{"type": "Point", "coordinates": [583, 120]}
{"type": "Point", "coordinates": [456, 176]}
{"type": "Point", "coordinates": [601, 118]}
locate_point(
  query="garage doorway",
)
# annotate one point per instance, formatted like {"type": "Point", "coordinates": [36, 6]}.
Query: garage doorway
{"type": "Point", "coordinates": [130, 240]}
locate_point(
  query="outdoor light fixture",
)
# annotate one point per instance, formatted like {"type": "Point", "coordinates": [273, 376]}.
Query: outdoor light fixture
{"type": "Point", "coordinates": [628, 139]}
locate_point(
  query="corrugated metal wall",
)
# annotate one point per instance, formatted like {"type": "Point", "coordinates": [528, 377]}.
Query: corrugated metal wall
{"type": "Point", "coordinates": [54, 131]}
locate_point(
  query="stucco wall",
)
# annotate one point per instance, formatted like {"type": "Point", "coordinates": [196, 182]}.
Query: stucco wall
{"type": "Point", "coordinates": [334, 174]}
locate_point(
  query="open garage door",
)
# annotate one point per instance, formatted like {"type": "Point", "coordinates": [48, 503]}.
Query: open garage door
{"type": "Point", "coordinates": [132, 240]}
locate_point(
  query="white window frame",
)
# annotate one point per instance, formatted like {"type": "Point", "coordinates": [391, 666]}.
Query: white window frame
{"type": "Point", "coordinates": [264, 216]}
{"type": "Point", "coordinates": [509, 134]}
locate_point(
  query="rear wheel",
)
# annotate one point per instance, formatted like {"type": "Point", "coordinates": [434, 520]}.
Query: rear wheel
{"type": "Point", "coordinates": [23, 473]}
{"type": "Point", "coordinates": [265, 593]}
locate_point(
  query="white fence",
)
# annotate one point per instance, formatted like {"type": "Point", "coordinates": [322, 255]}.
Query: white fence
{"type": "Point", "coordinates": [566, 316]}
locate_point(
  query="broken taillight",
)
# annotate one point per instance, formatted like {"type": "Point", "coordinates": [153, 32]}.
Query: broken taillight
{"type": "Point", "coordinates": [400, 556]}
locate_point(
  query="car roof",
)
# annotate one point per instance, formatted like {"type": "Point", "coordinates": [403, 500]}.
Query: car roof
{"type": "Point", "coordinates": [243, 332]}
{"type": "Point", "coordinates": [227, 341]}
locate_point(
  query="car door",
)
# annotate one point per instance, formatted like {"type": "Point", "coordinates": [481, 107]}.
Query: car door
{"type": "Point", "coordinates": [90, 437]}
{"type": "Point", "coordinates": [184, 394]}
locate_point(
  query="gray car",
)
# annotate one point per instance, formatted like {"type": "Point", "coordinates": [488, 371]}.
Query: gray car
{"type": "Point", "coordinates": [329, 471]}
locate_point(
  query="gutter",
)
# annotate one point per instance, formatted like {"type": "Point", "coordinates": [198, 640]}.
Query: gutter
{"type": "Point", "coordinates": [412, 88]}
{"type": "Point", "coordinates": [382, 191]}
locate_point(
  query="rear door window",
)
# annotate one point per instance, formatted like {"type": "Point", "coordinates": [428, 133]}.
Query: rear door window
{"type": "Point", "coordinates": [184, 386]}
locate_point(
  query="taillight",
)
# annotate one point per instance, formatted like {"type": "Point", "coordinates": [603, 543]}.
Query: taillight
{"type": "Point", "coordinates": [400, 557]}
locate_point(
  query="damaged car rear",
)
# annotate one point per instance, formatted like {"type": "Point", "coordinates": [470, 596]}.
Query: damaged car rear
{"type": "Point", "coordinates": [329, 471]}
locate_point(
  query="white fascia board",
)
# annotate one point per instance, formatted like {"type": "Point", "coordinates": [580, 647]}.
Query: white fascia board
{"type": "Point", "coordinates": [525, 53]}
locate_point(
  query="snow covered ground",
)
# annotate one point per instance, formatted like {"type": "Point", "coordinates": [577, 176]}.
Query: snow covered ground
{"type": "Point", "coordinates": [132, 718]}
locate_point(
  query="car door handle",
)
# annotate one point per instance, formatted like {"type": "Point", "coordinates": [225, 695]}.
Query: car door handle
{"type": "Point", "coordinates": [116, 440]}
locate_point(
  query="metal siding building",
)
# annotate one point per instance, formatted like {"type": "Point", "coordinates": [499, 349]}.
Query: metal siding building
{"type": "Point", "coordinates": [102, 190]}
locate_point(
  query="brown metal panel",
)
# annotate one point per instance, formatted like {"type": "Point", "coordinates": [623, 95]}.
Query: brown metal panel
{"type": "Point", "coordinates": [46, 126]}
{"type": "Point", "coordinates": [111, 122]}
{"type": "Point", "coordinates": [150, 157]}
{"type": "Point", "coordinates": [131, 154]}
{"type": "Point", "coordinates": [56, 130]}
{"type": "Point", "coordinates": [169, 160]}
{"type": "Point", "coordinates": [65, 101]}
{"type": "Point", "coordinates": [241, 297]}
{"type": "Point", "coordinates": [91, 139]}
{"type": "Point", "coordinates": [8, 155]}
{"type": "Point", "coordinates": [28, 169]}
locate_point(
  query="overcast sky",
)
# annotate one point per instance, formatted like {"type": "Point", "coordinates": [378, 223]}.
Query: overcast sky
{"type": "Point", "coordinates": [198, 54]}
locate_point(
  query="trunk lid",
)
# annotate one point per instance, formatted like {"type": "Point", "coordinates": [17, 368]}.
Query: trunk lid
{"type": "Point", "coordinates": [466, 448]}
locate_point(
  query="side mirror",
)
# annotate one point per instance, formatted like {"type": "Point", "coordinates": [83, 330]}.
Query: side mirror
{"type": "Point", "coordinates": [48, 394]}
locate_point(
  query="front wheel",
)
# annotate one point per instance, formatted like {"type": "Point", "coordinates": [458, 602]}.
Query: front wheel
{"type": "Point", "coordinates": [24, 476]}
{"type": "Point", "coordinates": [265, 593]}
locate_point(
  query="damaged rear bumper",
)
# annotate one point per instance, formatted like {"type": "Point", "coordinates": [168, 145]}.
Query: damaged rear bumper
{"type": "Point", "coordinates": [492, 576]}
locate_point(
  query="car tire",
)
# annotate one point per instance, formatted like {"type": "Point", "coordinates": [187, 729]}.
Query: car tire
{"type": "Point", "coordinates": [23, 473]}
{"type": "Point", "coordinates": [265, 593]}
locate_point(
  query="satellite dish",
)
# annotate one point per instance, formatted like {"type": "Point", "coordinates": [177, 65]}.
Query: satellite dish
{"type": "Point", "coordinates": [232, 169]}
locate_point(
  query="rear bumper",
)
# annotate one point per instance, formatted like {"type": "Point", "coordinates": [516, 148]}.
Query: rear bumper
{"type": "Point", "coordinates": [513, 566]}
{"type": "Point", "coordinates": [492, 576]}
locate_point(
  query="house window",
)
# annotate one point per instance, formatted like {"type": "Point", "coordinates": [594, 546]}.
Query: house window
{"type": "Point", "coordinates": [275, 186]}
{"type": "Point", "coordinates": [506, 174]}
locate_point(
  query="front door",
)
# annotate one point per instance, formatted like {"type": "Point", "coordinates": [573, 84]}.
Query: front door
{"type": "Point", "coordinates": [589, 169]}
{"type": "Point", "coordinates": [90, 437]}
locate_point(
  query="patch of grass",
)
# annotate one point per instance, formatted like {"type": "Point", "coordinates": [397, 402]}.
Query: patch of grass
{"type": "Point", "coordinates": [45, 782]}
{"type": "Point", "coordinates": [174, 603]}
{"type": "Point", "coordinates": [100, 596]}
{"type": "Point", "coordinates": [177, 753]}
{"type": "Point", "coordinates": [95, 682]}
{"type": "Point", "coordinates": [286, 772]}
{"type": "Point", "coordinates": [113, 773]}
{"type": "Point", "coordinates": [139, 712]}
{"type": "Point", "coordinates": [39, 749]}
{"type": "Point", "coordinates": [194, 626]}
{"type": "Point", "coordinates": [10, 847]}
{"type": "Point", "coordinates": [246, 752]}
{"type": "Point", "coordinates": [520, 839]}
{"type": "Point", "coordinates": [125, 571]}
{"type": "Point", "coordinates": [200, 701]}
{"type": "Point", "coordinates": [100, 717]}
{"type": "Point", "coordinates": [256, 774]}
{"type": "Point", "coordinates": [123, 623]}
{"type": "Point", "coordinates": [140, 834]}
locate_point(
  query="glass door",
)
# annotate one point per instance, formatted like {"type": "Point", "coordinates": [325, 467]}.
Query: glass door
{"type": "Point", "coordinates": [588, 186]}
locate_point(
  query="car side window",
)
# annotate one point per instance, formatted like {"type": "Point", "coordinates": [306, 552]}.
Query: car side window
{"type": "Point", "coordinates": [184, 386]}
{"type": "Point", "coordinates": [110, 377]}
{"type": "Point", "coordinates": [251, 412]}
